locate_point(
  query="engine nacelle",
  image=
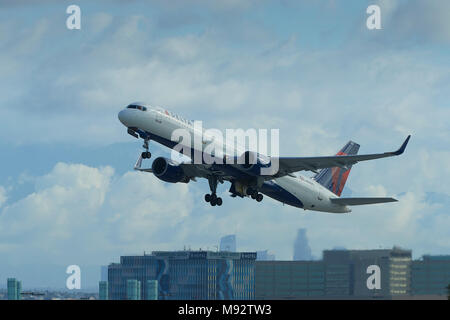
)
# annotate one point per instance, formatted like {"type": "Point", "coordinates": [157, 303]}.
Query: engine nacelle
{"type": "Point", "coordinates": [252, 162]}
{"type": "Point", "coordinates": [240, 188]}
{"type": "Point", "coordinates": [168, 170]}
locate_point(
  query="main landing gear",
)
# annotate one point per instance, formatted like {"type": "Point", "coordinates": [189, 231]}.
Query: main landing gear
{"type": "Point", "coordinates": [212, 198]}
{"type": "Point", "coordinates": [146, 154]}
{"type": "Point", "coordinates": [254, 194]}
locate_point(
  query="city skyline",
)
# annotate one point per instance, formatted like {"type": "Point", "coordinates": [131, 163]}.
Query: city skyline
{"type": "Point", "coordinates": [91, 275]}
{"type": "Point", "coordinates": [400, 275]}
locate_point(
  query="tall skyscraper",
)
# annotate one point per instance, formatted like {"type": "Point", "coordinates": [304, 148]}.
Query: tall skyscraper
{"type": "Point", "coordinates": [302, 251]}
{"type": "Point", "coordinates": [103, 290]}
{"type": "Point", "coordinates": [103, 273]}
{"type": "Point", "coordinates": [228, 243]}
{"type": "Point", "coordinates": [14, 289]}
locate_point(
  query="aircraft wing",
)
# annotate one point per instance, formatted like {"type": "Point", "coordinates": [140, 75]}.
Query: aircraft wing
{"type": "Point", "coordinates": [288, 165]}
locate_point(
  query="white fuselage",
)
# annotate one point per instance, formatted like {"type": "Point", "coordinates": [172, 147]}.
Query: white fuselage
{"type": "Point", "coordinates": [162, 123]}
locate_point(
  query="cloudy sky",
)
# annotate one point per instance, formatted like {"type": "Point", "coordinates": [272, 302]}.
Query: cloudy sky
{"type": "Point", "coordinates": [310, 69]}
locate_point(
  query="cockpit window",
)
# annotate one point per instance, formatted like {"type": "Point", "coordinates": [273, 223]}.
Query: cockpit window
{"type": "Point", "coordinates": [134, 106]}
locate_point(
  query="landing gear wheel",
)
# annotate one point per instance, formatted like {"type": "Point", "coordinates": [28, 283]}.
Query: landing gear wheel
{"type": "Point", "coordinates": [207, 197]}
{"type": "Point", "coordinates": [254, 195]}
{"type": "Point", "coordinates": [213, 201]}
{"type": "Point", "coordinates": [219, 201]}
{"type": "Point", "coordinates": [146, 155]}
{"type": "Point", "coordinates": [259, 197]}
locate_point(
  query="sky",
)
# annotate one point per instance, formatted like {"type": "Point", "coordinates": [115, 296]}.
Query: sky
{"type": "Point", "coordinates": [312, 69]}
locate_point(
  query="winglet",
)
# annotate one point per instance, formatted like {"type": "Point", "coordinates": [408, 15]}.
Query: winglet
{"type": "Point", "coordinates": [402, 148]}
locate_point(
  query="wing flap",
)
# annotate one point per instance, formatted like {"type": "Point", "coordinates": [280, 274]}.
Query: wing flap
{"type": "Point", "coordinates": [360, 201]}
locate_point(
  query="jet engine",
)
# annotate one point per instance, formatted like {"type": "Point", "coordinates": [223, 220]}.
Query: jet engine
{"type": "Point", "coordinates": [168, 170]}
{"type": "Point", "coordinates": [252, 162]}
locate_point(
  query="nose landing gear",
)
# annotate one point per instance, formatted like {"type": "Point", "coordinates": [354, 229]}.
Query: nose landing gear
{"type": "Point", "coordinates": [146, 154]}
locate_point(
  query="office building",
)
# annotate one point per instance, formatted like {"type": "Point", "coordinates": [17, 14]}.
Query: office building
{"type": "Point", "coordinates": [342, 274]}
{"type": "Point", "coordinates": [430, 275]}
{"type": "Point", "coordinates": [133, 289]}
{"type": "Point", "coordinates": [228, 243]}
{"type": "Point", "coordinates": [14, 289]}
{"type": "Point", "coordinates": [182, 275]}
{"type": "Point", "coordinates": [151, 290]}
{"type": "Point", "coordinates": [103, 290]}
{"type": "Point", "coordinates": [19, 290]}
{"type": "Point", "coordinates": [264, 256]}
{"type": "Point", "coordinates": [103, 273]}
{"type": "Point", "coordinates": [348, 272]}
{"type": "Point", "coordinates": [339, 273]}
{"type": "Point", "coordinates": [302, 251]}
{"type": "Point", "coordinates": [289, 279]}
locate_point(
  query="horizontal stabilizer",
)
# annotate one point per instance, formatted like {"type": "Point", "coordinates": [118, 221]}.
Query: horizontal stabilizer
{"type": "Point", "coordinates": [360, 201]}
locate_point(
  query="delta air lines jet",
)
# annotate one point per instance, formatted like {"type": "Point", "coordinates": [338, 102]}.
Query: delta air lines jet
{"type": "Point", "coordinates": [320, 193]}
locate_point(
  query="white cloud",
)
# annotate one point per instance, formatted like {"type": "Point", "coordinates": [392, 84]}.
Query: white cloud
{"type": "Point", "coordinates": [3, 196]}
{"type": "Point", "coordinates": [75, 206]}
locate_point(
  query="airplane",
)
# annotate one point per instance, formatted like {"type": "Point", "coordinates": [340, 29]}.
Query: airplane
{"type": "Point", "coordinates": [322, 192]}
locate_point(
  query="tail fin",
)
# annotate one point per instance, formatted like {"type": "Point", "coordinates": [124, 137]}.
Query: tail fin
{"type": "Point", "coordinates": [334, 178]}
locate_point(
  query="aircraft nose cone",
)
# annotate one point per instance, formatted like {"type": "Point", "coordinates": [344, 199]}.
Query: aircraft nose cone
{"type": "Point", "coordinates": [124, 117]}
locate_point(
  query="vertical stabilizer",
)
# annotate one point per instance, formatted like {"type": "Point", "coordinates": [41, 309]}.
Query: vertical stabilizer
{"type": "Point", "coordinates": [334, 178]}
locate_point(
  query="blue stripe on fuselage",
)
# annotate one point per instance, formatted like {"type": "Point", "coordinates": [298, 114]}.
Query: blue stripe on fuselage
{"type": "Point", "coordinates": [275, 191]}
